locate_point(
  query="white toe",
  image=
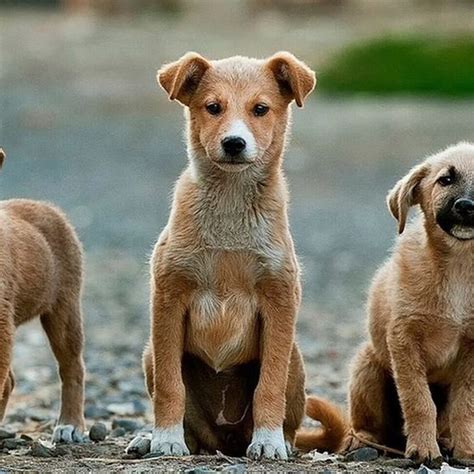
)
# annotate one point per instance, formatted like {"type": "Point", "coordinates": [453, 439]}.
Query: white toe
{"type": "Point", "coordinates": [67, 434]}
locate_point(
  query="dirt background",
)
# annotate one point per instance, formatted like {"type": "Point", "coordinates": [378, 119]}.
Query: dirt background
{"type": "Point", "coordinates": [84, 125]}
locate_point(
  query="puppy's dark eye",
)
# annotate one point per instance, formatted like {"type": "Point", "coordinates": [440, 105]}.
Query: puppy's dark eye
{"type": "Point", "coordinates": [214, 108]}
{"type": "Point", "coordinates": [260, 110]}
{"type": "Point", "coordinates": [446, 180]}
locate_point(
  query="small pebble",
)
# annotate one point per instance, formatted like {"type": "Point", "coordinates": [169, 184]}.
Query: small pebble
{"type": "Point", "coordinates": [13, 443]}
{"type": "Point", "coordinates": [362, 454]}
{"type": "Point", "coordinates": [136, 407]}
{"type": "Point", "coordinates": [118, 432]}
{"type": "Point", "coordinates": [235, 469]}
{"type": "Point", "coordinates": [98, 432]}
{"type": "Point", "coordinates": [128, 425]}
{"type": "Point", "coordinates": [200, 470]}
{"type": "Point", "coordinates": [5, 434]}
{"type": "Point", "coordinates": [39, 450]}
{"type": "Point", "coordinates": [93, 411]}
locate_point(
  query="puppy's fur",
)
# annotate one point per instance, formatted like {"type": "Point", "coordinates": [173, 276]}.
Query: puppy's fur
{"type": "Point", "coordinates": [222, 366]}
{"type": "Point", "coordinates": [41, 275]}
{"type": "Point", "coordinates": [412, 384]}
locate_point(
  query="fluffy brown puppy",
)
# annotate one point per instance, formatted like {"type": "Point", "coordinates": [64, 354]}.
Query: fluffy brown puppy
{"type": "Point", "coordinates": [41, 275]}
{"type": "Point", "coordinates": [412, 384]}
{"type": "Point", "coordinates": [222, 366]}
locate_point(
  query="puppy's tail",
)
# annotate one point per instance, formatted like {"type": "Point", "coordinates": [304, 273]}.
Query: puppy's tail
{"type": "Point", "coordinates": [332, 433]}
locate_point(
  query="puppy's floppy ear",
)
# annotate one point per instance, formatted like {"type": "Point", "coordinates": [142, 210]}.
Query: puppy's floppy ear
{"type": "Point", "coordinates": [181, 78]}
{"type": "Point", "coordinates": [2, 157]}
{"type": "Point", "coordinates": [406, 194]}
{"type": "Point", "coordinates": [294, 77]}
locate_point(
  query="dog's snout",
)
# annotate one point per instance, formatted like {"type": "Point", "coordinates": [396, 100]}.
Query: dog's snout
{"type": "Point", "coordinates": [464, 206]}
{"type": "Point", "coordinates": [233, 145]}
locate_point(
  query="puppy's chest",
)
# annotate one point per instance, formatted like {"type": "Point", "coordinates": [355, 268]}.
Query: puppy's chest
{"type": "Point", "coordinates": [222, 325]}
{"type": "Point", "coordinates": [458, 297]}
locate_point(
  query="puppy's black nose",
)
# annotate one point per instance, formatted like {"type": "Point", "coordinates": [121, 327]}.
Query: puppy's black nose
{"type": "Point", "coordinates": [233, 145]}
{"type": "Point", "coordinates": [464, 206]}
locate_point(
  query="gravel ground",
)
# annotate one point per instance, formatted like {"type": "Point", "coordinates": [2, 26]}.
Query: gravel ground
{"type": "Point", "coordinates": [84, 126]}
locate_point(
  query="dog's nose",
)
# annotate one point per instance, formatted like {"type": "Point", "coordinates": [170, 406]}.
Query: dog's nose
{"type": "Point", "coordinates": [233, 145]}
{"type": "Point", "coordinates": [464, 206]}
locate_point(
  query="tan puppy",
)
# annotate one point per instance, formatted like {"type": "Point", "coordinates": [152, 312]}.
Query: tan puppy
{"type": "Point", "coordinates": [222, 366]}
{"type": "Point", "coordinates": [41, 275]}
{"type": "Point", "coordinates": [412, 384]}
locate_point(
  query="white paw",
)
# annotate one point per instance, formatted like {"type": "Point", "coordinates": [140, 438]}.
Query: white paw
{"type": "Point", "coordinates": [169, 442]}
{"type": "Point", "coordinates": [67, 434]}
{"type": "Point", "coordinates": [268, 444]}
{"type": "Point", "coordinates": [140, 445]}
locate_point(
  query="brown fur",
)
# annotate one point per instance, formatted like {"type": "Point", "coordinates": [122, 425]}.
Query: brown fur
{"type": "Point", "coordinates": [412, 383]}
{"type": "Point", "coordinates": [334, 427]}
{"type": "Point", "coordinates": [225, 287]}
{"type": "Point", "coordinates": [41, 275]}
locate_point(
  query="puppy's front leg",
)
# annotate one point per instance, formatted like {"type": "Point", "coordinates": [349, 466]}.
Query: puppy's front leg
{"type": "Point", "coordinates": [168, 313]}
{"type": "Point", "coordinates": [418, 407]}
{"type": "Point", "coordinates": [461, 404]}
{"type": "Point", "coordinates": [278, 304]}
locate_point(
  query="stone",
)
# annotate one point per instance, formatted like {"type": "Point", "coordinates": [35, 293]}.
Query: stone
{"type": "Point", "coordinates": [129, 426]}
{"type": "Point", "coordinates": [94, 411]}
{"type": "Point", "coordinates": [98, 432]}
{"type": "Point", "coordinates": [235, 469]}
{"type": "Point", "coordinates": [362, 455]}
{"type": "Point", "coordinates": [118, 432]}
{"type": "Point", "coordinates": [13, 443]}
{"type": "Point", "coordinates": [5, 434]}
{"type": "Point", "coordinates": [40, 450]}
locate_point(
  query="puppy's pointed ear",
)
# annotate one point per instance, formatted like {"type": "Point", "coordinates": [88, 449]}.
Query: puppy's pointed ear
{"type": "Point", "coordinates": [2, 157]}
{"type": "Point", "coordinates": [406, 193]}
{"type": "Point", "coordinates": [181, 78]}
{"type": "Point", "coordinates": [295, 79]}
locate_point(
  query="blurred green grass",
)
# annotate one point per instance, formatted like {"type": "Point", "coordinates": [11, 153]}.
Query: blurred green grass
{"type": "Point", "coordinates": [412, 65]}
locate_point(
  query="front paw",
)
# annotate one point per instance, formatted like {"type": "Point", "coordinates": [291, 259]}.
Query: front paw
{"type": "Point", "coordinates": [67, 434]}
{"type": "Point", "coordinates": [169, 442]}
{"type": "Point", "coordinates": [424, 451]}
{"type": "Point", "coordinates": [268, 444]}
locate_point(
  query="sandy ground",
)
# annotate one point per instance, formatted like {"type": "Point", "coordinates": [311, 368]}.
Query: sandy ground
{"type": "Point", "coordinates": [85, 126]}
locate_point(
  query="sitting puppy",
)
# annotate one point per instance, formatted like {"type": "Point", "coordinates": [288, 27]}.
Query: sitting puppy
{"type": "Point", "coordinates": [41, 275]}
{"type": "Point", "coordinates": [222, 366]}
{"type": "Point", "coordinates": [417, 370]}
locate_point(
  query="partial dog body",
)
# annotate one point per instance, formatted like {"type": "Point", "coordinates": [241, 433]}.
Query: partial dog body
{"type": "Point", "coordinates": [222, 366]}
{"type": "Point", "coordinates": [41, 275]}
{"type": "Point", "coordinates": [412, 384]}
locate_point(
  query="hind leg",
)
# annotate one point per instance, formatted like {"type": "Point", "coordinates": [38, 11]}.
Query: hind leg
{"type": "Point", "coordinates": [7, 330]}
{"type": "Point", "coordinates": [63, 326]}
{"type": "Point", "coordinates": [366, 400]}
{"type": "Point", "coordinates": [295, 398]}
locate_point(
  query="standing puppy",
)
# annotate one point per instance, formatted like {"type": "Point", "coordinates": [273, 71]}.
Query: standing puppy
{"type": "Point", "coordinates": [222, 366]}
{"type": "Point", "coordinates": [41, 275]}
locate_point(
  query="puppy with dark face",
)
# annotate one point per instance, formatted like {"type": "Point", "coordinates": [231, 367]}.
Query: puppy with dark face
{"type": "Point", "coordinates": [412, 383]}
{"type": "Point", "coordinates": [222, 366]}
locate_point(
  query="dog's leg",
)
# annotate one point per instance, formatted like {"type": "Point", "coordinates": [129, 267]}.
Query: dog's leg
{"type": "Point", "coordinates": [295, 398]}
{"type": "Point", "coordinates": [7, 330]}
{"type": "Point", "coordinates": [418, 407]}
{"type": "Point", "coordinates": [366, 400]}
{"type": "Point", "coordinates": [278, 307]}
{"type": "Point", "coordinates": [461, 404]}
{"type": "Point", "coordinates": [8, 388]}
{"type": "Point", "coordinates": [63, 326]}
{"type": "Point", "coordinates": [163, 362]}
